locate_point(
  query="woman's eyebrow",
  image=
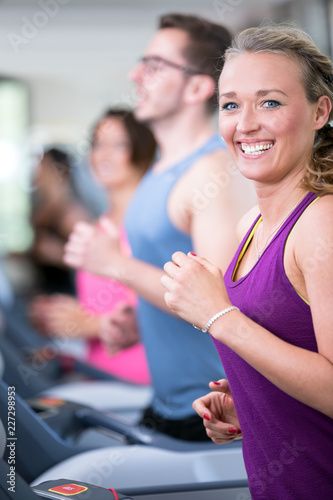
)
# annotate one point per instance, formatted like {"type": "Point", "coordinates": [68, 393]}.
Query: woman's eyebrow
{"type": "Point", "coordinates": [227, 94]}
{"type": "Point", "coordinates": [259, 93]}
{"type": "Point", "coordinates": [262, 93]}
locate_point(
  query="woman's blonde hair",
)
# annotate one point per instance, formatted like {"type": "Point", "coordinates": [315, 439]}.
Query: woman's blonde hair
{"type": "Point", "coordinates": [317, 79]}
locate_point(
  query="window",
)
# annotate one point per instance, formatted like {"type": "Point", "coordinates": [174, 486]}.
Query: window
{"type": "Point", "coordinates": [15, 232]}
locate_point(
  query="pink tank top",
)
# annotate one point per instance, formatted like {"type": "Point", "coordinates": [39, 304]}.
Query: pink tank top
{"type": "Point", "coordinates": [100, 296]}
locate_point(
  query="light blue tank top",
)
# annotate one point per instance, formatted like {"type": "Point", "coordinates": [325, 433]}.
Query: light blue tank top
{"type": "Point", "coordinates": [182, 360]}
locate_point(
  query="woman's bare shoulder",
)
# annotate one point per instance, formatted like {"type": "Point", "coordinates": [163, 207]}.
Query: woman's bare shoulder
{"type": "Point", "coordinates": [246, 221]}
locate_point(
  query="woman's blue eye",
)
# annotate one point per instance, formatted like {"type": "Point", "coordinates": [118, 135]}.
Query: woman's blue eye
{"type": "Point", "coordinates": [271, 104]}
{"type": "Point", "coordinates": [229, 106]}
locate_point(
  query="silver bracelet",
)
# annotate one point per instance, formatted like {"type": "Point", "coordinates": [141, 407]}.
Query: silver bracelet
{"type": "Point", "coordinates": [215, 317]}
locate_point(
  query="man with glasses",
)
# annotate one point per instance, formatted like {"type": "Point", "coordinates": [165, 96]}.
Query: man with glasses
{"type": "Point", "coordinates": [183, 203]}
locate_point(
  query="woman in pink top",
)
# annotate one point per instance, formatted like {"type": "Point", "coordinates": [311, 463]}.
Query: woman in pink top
{"type": "Point", "coordinates": [122, 150]}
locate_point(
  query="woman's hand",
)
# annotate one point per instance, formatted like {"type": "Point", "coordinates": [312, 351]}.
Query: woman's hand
{"type": "Point", "coordinates": [37, 312]}
{"type": "Point", "coordinates": [219, 413]}
{"type": "Point", "coordinates": [62, 316]}
{"type": "Point", "coordinates": [195, 288]}
{"type": "Point", "coordinates": [95, 249]}
{"type": "Point", "coordinates": [119, 330]}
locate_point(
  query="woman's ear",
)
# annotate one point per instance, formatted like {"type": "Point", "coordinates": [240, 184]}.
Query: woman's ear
{"type": "Point", "coordinates": [323, 110]}
{"type": "Point", "coordinates": [199, 89]}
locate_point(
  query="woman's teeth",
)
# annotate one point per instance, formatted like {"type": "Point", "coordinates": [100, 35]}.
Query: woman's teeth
{"type": "Point", "coordinates": [255, 149]}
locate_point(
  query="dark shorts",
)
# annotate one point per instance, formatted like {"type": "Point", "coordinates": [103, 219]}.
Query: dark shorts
{"type": "Point", "coordinates": [189, 429]}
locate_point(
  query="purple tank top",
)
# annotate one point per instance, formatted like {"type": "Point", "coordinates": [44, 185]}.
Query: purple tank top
{"type": "Point", "coordinates": [287, 446]}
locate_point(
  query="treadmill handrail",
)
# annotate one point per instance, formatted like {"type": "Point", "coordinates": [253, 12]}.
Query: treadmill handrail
{"type": "Point", "coordinates": [138, 434]}
{"type": "Point", "coordinates": [186, 487]}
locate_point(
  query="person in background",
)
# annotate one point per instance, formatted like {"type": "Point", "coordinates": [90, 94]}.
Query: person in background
{"type": "Point", "coordinates": [121, 151]}
{"type": "Point", "coordinates": [184, 201]}
{"type": "Point", "coordinates": [271, 314]}
{"type": "Point", "coordinates": [54, 212]}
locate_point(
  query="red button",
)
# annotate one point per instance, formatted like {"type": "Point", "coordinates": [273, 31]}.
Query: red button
{"type": "Point", "coordinates": [50, 402]}
{"type": "Point", "coordinates": [69, 489]}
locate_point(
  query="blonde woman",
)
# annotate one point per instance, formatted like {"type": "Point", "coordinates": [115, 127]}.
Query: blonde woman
{"type": "Point", "coordinates": [271, 315]}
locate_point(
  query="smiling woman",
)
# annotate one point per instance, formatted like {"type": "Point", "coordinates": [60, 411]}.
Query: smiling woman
{"type": "Point", "coordinates": [121, 152]}
{"type": "Point", "coordinates": [271, 314]}
{"type": "Point", "coordinates": [267, 122]}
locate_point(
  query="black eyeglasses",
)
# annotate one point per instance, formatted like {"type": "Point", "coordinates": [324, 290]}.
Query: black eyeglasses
{"type": "Point", "coordinates": [154, 63]}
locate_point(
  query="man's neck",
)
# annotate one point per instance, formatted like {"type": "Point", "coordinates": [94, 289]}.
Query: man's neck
{"type": "Point", "coordinates": [179, 136]}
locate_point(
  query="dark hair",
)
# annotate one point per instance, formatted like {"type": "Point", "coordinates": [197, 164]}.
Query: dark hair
{"type": "Point", "coordinates": [59, 161]}
{"type": "Point", "coordinates": [208, 41]}
{"type": "Point", "coordinates": [142, 141]}
{"type": "Point", "coordinates": [317, 79]}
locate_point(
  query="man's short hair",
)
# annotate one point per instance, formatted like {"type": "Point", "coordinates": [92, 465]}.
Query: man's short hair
{"type": "Point", "coordinates": [208, 42]}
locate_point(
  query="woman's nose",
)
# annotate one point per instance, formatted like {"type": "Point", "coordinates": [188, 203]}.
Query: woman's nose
{"type": "Point", "coordinates": [248, 121]}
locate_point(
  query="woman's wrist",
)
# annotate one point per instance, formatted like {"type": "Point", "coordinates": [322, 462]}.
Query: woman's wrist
{"type": "Point", "coordinates": [228, 328]}
{"type": "Point", "coordinates": [215, 317]}
{"type": "Point", "coordinates": [118, 268]}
